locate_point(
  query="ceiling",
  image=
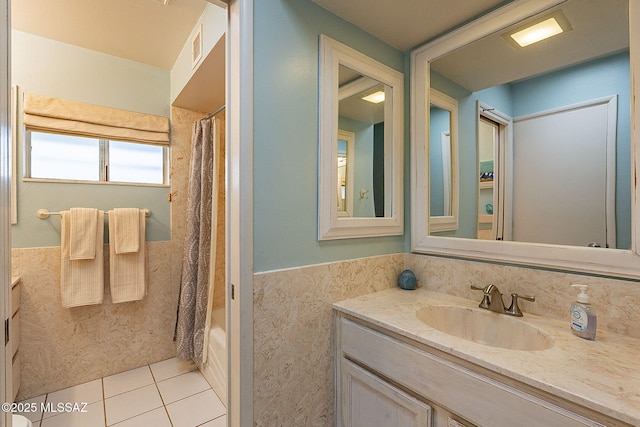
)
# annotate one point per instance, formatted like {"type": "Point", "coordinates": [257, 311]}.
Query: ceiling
{"type": "Point", "coordinates": [148, 32]}
{"type": "Point", "coordinates": [598, 29]}
{"type": "Point", "coordinates": [140, 30]}
{"type": "Point", "coordinates": [405, 24]}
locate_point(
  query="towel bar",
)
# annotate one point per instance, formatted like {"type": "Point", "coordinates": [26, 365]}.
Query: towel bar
{"type": "Point", "coordinates": [44, 213]}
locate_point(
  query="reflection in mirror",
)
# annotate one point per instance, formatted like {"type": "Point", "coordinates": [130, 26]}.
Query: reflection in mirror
{"type": "Point", "coordinates": [569, 130]}
{"type": "Point", "coordinates": [440, 162]}
{"type": "Point", "coordinates": [443, 163]}
{"type": "Point", "coordinates": [535, 95]}
{"type": "Point", "coordinates": [360, 182]}
{"type": "Point", "coordinates": [346, 144]}
{"type": "Point", "coordinates": [361, 111]}
{"type": "Point", "coordinates": [487, 146]}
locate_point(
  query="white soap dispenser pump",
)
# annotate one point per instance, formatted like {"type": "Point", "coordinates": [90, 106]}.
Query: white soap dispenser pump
{"type": "Point", "coordinates": [583, 315]}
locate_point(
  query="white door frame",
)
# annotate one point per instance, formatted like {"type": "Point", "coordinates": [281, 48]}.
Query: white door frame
{"type": "Point", "coordinates": [6, 390]}
{"type": "Point", "coordinates": [239, 102]}
{"type": "Point", "coordinates": [503, 168]}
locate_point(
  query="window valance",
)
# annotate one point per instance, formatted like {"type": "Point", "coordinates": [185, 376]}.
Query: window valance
{"type": "Point", "coordinates": [45, 114]}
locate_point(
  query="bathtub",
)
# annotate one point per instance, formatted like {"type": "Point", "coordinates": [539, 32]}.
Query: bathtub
{"type": "Point", "coordinates": [215, 370]}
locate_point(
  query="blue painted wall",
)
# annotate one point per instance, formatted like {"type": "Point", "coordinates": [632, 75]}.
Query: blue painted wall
{"type": "Point", "coordinates": [50, 68]}
{"type": "Point", "coordinates": [286, 134]}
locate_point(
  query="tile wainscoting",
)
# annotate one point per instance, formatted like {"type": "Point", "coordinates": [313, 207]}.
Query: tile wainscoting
{"type": "Point", "coordinates": [63, 347]}
{"type": "Point", "coordinates": [293, 335]}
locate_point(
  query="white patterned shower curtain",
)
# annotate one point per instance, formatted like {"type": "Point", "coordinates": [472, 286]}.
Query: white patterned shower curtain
{"type": "Point", "coordinates": [195, 287]}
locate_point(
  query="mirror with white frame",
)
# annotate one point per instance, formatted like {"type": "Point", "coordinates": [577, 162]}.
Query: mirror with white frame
{"type": "Point", "coordinates": [510, 204]}
{"type": "Point", "coordinates": [360, 182]}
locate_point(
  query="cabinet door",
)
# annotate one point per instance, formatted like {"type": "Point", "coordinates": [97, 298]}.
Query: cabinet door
{"type": "Point", "coordinates": [368, 401]}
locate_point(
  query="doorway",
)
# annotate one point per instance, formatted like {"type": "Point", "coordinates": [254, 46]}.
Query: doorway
{"type": "Point", "coordinates": [495, 167]}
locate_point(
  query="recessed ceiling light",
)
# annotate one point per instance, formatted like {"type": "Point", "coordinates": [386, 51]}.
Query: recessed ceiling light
{"type": "Point", "coordinates": [376, 97]}
{"type": "Point", "coordinates": [542, 28]}
{"type": "Point", "coordinates": [538, 32]}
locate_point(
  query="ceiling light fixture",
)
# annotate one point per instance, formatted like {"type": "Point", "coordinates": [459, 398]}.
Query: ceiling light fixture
{"type": "Point", "coordinates": [538, 32]}
{"type": "Point", "coordinates": [162, 2]}
{"type": "Point", "coordinates": [543, 28]}
{"type": "Point", "coordinates": [375, 98]}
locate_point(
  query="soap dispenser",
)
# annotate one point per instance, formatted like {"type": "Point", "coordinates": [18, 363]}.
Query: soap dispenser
{"type": "Point", "coordinates": [583, 315]}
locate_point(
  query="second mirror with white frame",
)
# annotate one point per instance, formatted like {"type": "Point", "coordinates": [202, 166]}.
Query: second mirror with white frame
{"type": "Point", "coordinates": [360, 182]}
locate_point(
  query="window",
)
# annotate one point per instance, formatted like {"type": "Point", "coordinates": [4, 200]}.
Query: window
{"type": "Point", "coordinates": [74, 141]}
{"type": "Point", "coordinates": [64, 157]}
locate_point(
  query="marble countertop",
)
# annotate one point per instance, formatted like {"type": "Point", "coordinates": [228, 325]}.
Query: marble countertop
{"type": "Point", "coordinates": [603, 375]}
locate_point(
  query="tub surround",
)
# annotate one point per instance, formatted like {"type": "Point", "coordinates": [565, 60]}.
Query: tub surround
{"type": "Point", "coordinates": [594, 374]}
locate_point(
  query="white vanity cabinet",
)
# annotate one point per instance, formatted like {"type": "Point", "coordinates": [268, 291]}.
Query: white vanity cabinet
{"type": "Point", "coordinates": [385, 379]}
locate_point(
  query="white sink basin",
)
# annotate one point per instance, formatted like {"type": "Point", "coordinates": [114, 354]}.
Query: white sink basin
{"type": "Point", "coordinates": [485, 327]}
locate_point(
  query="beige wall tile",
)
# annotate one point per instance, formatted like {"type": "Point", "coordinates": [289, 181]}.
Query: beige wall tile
{"type": "Point", "coordinates": [63, 347]}
{"type": "Point", "coordinates": [616, 301]}
{"type": "Point", "coordinates": [293, 335]}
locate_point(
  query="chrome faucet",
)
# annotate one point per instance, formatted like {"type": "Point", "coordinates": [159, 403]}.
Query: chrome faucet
{"type": "Point", "coordinates": [492, 300]}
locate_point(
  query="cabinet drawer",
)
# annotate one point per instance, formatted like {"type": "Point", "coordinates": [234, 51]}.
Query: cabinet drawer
{"type": "Point", "coordinates": [15, 332]}
{"type": "Point", "coordinates": [475, 397]}
{"type": "Point", "coordinates": [15, 297]}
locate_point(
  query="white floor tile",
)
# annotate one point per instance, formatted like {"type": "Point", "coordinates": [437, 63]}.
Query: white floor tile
{"type": "Point", "coordinates": [134, 399]}
{"type": "Point", "coordinates": [33, 403]}
{"type": "Point", "coordinates": [196, 410]}
{"type": "Point", "coordinates": [93, 417]}
{"type": "Point", "coordinates": [218, 422]}
{"type": "Point", "coordinates": [132, 403]}
{"type": "Point", "coordinates": [156, 418]}
{"type": "Point", "coordinates": [171, 368]}
{"type": "Point", "coordinates": [182, 386]}
{"type": "Point", "coordinates": [127, 381]}
{"type": "Point", "coordinates": [88, 392]}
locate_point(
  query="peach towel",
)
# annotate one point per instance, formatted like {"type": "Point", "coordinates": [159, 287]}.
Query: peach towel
{"type": "Point", "coordinates": [126, 224]}
{"type": "Point", "coordinates": [82, 238]}
{"type": "Point", "coordinates": [128, 271]}
{"type": "Point", "coordinates": [81, 280]}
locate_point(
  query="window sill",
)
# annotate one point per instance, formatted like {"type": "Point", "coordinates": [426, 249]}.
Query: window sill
{"type": "Point", "coordinates": [70, 181]}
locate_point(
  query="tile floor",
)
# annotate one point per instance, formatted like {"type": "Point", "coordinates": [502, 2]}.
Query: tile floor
{"type": "Point", "coordinates": [171, 393]}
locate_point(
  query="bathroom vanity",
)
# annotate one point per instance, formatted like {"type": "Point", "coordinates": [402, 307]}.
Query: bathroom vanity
{"type": "Point", "coordinates": [392, 368]}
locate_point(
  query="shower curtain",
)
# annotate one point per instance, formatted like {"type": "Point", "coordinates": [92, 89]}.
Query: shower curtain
{"type": "Point", "coordinates": [195, 288]}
